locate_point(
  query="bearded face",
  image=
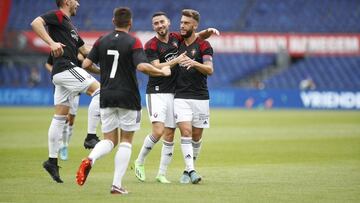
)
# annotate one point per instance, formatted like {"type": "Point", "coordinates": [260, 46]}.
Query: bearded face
{"type": "Point", "coordinates": [161, 25]}
{"type": "Point", "coordinates": [187, 26]}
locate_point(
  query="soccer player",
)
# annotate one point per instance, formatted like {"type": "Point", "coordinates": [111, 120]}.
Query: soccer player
{"type": "Point", "coordinates": [119, 55]}
{"type": "Point", "coordinates": [191, 103]}
{"type": "Point", "coordinates": [93, 118]}
{"type": "Point", "coordinates": [65, 43]}
{"type": "Point", "coordinates": [162, 50]}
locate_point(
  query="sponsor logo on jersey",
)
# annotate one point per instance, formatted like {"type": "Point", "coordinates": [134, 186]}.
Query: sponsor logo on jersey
{"type": "Point", "coordinates": [170, 56]}
{"type": "Point", "coordinates": [74, 35]}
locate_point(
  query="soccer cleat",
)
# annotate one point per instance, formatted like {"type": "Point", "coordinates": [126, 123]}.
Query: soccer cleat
{"type": "Point", "coordinates": [140, 171]}
{"type": "Point", "coordinates": [90, 143]}
{"type": "Point", "coordinates": [64, 153]}
{"type": "Point", "coordinates": [194, 177]}
{"type": "Point", "coordinates": [162, 179]}
{"type": "Point", "coordinates": [118, 191]}
{"type": "Point", "coordinates": [185, 178]}
{"type": "Point", "coordinates": [83, 171]}
{"type": "Point", "coordinates": [53, 170]}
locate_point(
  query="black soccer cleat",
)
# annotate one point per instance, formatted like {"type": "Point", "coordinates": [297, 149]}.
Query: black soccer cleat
{"type": "Point", "coordinates": [90, 142]}
{"type": "Point", "coordinates": [53, 170]}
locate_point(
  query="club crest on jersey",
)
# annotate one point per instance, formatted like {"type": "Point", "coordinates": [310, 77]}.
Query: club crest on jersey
{"type": "Point", "coordinates": [175, 44]}
{"type": "Point", "coordinates": [74, 35]}
{"type": "Point", "coordinates": [193, 52]}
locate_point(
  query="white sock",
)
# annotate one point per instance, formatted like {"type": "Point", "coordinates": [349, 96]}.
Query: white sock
{"type": "Point", "coordinates": [101, 148]}
{"type": "Point", "coordinates": [70, 132]}
{"type": "Point", "coordinates": [196, 148]}
{"type": "Point", "coordinates": [94, 113]}
{"type": "Point", "coordinates": [122, 159]}
{"type": "Point", "coordinates": [166, 156]}
{"type": "Point", "coordinates": [187, 151]}
{"type": "Point", "coordinates": [55, 133]}
{"type": "Point", "coordinates": [149, 143]}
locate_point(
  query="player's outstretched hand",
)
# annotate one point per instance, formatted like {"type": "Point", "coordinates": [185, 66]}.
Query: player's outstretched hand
{"type": "Point", "coordinates": [213, 31]}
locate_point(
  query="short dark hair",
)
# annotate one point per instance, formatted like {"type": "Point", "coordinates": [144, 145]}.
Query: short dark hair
{"type": "Point", "coordinates": [122, 16]}
{"type": "Point", "coordinates": [159, 13]}
{"type": "Point", "coordinates": [192, 14]}
{"type": "Point", "coordinates": [59, 3]}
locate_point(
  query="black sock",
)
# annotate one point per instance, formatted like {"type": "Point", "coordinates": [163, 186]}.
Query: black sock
{"type": "Point", "coordinates": [53, 161]}
{"type": "Point", "coordinates": [91, 136]}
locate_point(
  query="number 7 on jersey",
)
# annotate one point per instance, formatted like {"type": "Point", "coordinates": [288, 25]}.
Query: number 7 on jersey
{"type": "Point", "coordinates": [115, 53]}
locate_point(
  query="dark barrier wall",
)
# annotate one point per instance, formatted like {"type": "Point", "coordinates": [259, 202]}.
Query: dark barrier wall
{"type": "Point", "coordinates": [224, 98]}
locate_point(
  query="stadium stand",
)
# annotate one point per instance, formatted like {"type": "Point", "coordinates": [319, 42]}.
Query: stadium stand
{"type": "Point", "coordinates": [294, 16]}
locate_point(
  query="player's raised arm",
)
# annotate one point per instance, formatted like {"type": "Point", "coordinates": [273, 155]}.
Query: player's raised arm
{"type": "Point", "coordinates": [38, 25]}
{"type": "Point", "coordinates": [204, 34]}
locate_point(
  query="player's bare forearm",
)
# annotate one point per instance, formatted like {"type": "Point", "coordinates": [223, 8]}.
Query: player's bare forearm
{"type": "Point", "coordinates": [84, 50]}
{"type": "Point", "coordinates": [206, 68]}
{"type": "Point", "coordinates": [205, 34]}
{"type": "Point", "coordinates": [153, 71]}
{"type": "Point", "coordinates": [89, 66]}
{"type": "Point", "coordinates": [38, 25]}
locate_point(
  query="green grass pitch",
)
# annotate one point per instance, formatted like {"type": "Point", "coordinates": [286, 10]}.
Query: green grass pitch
{"type": "Point", "coordinates": [247, 156]}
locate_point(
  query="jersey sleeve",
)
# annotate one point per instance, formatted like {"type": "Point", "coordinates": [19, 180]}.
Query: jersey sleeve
{"type": "Point", "coordinates": [150, 50]}
{"type": "Point", "coordinates": [206, 49]}
{"type": "Point", "coordinates": [94, 52]}
{"type": "Point", "coordinates": [138, 54]}
{"type": "Point", "coordinates": [53, 17]}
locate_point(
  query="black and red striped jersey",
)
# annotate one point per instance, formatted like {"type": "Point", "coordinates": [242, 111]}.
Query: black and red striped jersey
{"type": "Point", "coordinates": [118, 54]}
{"type": "Point", "coordinates": [61, 29]}
{"type": "Point", "coordinates": [158, 50]}
{"type": "Point", "coordinates": [192, 84]}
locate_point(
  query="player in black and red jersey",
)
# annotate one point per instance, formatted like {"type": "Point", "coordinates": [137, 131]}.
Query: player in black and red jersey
{"type": "Point", "coordinates": [162, 50]}
{"type": "Point", "coordinates": [191, 103]}
{"type": "Point", "coordinates": [119, 55]}
{"type": "Point", "coordinates": [65, 43]}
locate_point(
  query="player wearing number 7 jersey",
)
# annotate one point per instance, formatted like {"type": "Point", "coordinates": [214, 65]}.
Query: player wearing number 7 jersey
{"type": "Point", "coordinates": [119, 55]}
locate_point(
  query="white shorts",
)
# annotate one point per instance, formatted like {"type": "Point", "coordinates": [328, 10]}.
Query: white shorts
{"type": "Point", "coordinates": [125, 119]}
{"type": "Point", "coordinates": [74, 104]}
{"type": "Point", "coordinates": [193, 110]}
{"type": "Point", "coordinates": [70, 82]}
{"type": "Point", "coordinates": [161, 108]}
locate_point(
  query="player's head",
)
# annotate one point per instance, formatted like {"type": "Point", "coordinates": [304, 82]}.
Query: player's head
{"type": "Point", "coordinates": [189, 22]}
{"type": "Point", "coordinates": [122, 17]}
{"type": "Point", "coordinates": [160, 23]}
{"type": "Point", "coordinates": [71, 5]}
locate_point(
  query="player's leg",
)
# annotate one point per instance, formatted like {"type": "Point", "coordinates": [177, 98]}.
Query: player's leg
{"type": "Point", "coordinates": [110, 129]}
{"type": "Point", "coordinates": [130, 122]}
{"type": "Point", "coordinates": [68, 129]}
{"type": "Point", "coordinates": [183, 117]}
{"type": "Point", "coordinates": [61, 96]}
{"type": "Point", "coordinates": [201, 121]}
{"type": "Point", "coordinates": [167, 152]}
{"type": "Point", "coordinates": [156, 111]}
{"type": "Point", "coordinates": [93, 120]}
